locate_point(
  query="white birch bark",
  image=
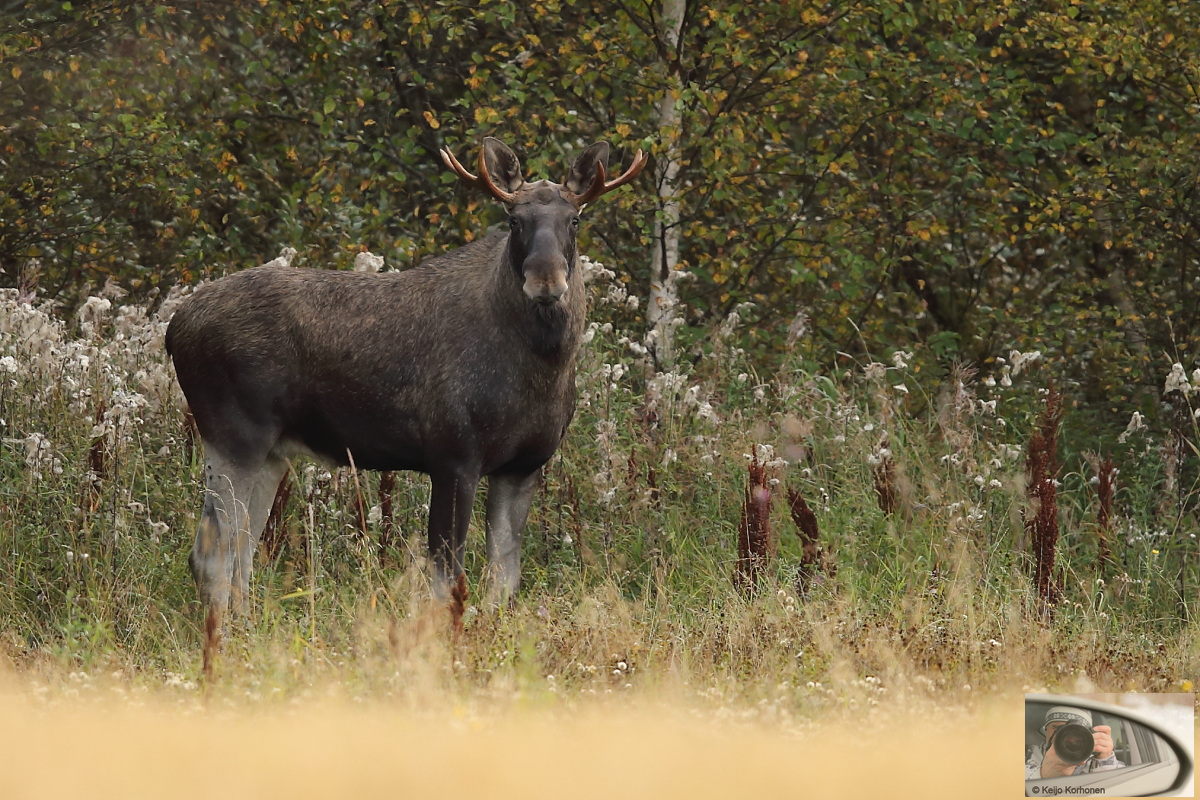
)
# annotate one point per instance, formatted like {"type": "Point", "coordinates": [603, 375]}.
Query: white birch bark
{"type": "Point", "coordinates": [664, 259]}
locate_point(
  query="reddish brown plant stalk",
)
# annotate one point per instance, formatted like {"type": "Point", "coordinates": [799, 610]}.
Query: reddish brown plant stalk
{"type": "Point", "coordinates": [756, 544]}
{"type": "Point", "coordinates": [458, 605]}
{"type": "Point", "coordinates": [1042, 465]}
{"type": "Point", "coordinates": [885, 485]}
{"type": "Point", "coordinates": [272, 537]}
{"type": "Point", "coordinates": [811, 554]}
{"type": "Point", "coordinates": [1104, 493]}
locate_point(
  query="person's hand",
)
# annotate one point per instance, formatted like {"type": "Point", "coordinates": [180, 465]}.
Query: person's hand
{"type": "Point", "coordinates": [1104, 742]}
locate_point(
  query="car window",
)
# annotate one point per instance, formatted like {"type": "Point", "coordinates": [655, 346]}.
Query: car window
{"type": "Point", "coordinates": [1147, 745]}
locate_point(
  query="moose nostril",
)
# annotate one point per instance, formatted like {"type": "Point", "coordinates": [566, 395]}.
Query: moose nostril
{"type": "Point", "coordinates": [550, 295]}
{"type": "Point", "coordinates": [545, 292]}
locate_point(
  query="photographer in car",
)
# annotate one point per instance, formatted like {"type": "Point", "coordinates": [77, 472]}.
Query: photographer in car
{"type": "Point", "coordinates": [1072, 746]}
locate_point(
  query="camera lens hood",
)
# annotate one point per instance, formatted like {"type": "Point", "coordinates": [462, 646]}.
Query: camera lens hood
{"type": "Point", "coordinates": [1074, 743]}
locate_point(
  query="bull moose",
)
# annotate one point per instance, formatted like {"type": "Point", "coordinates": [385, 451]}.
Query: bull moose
{"type": "Point", "coordinates": [461, 367]}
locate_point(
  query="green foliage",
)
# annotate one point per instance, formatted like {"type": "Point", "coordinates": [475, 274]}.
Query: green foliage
{"type": "Point", "coordinates": [956, 178]}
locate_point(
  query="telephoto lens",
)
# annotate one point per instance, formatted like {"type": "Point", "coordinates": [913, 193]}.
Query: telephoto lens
{"type": "Point", "coordinates": [1074, 743]}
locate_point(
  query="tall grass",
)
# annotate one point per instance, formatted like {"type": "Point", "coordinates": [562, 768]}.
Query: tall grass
{"type": "Point", "coordinates": [923, 578]}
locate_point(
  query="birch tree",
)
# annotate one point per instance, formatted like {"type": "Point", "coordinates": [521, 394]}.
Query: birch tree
{"type": "Point", "coordinates": [664, 259]}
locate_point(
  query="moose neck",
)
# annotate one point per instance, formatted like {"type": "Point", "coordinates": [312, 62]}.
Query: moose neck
{"type": "Point", "coordinates": [551, 332]}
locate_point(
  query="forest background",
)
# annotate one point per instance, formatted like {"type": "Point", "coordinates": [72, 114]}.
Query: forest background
{"type": "Point", "coordinates": [955, 178]}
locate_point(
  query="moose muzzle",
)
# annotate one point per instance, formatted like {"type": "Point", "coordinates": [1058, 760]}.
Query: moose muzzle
{"type": "Point", "coordinates": [546, 280]}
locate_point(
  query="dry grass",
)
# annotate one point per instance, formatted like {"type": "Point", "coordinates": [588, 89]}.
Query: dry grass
{"type": "Point", "coordinates": [602, 750]}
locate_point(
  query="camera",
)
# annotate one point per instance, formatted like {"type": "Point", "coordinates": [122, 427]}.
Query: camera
{"type": "Point", "coordinates": [1074, 743]}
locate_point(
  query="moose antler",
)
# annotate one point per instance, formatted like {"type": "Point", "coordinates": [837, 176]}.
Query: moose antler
{"type": "Point", "coordinates": [484, 182]}
{"type": "Point", "coordinates": [601, 186]}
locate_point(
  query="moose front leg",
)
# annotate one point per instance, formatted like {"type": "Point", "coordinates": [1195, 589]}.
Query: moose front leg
{"type": "Point", "coordinates": [509, 497]}
{"type": "Point", "coordinates": [262, 497]}
{"type": "Point", "coordinates": [450, 503]}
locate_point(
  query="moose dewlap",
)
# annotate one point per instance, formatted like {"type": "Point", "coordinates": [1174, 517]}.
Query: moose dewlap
{"type": "Point", "coordinates": [461, 367]}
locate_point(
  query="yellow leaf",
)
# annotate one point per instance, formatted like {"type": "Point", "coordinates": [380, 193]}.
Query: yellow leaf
{"type": "Point", "coordinates": [433, 123]}
{"type": "Point", "coordinates": [623, 130]}
{"type": "Point", "coordinates": [16, 72]}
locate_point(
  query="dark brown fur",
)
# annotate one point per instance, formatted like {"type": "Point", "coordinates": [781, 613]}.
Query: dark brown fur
{"type": "Point", "coordinates": [391, 366]}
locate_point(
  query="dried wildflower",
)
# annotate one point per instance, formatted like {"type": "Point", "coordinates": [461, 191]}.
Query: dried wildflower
{"type": "Point", "coordinates": [458, 604]}
{"type": "Point", "coordinates": [368, 262]}
{"type": "Point", "coordinates": [884, 474]}
{"type": "Point", "coordinates": [756, 545]}
{"type": "Point", "coordinates": [874, 371]}
{"type": "Point", "coordinates": [812, 556]}
{"type": "Point", "coordinates": [1042, 466]}
{"type": "Point", "coordinates": [731, 322]}
{"type": "Point", "coordinates": [594, 270]}
{"type": "Point", "coordinates": [797, 329]}
{"type": "Point", "coordinates": [1177, 381]}
{"type": "Point", "coordinates": [91, 315]}
{"type": "Point", "coordinates": [272, 538]}
{"type": "Point", "coordinates": [1021, 360]}
{"type": "Point", "coordinates": [285, 258]}
{"type": "Point", "coordinates": [1105, 488]}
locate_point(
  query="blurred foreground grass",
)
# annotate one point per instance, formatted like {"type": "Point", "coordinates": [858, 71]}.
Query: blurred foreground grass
{"type": "Point", "coordinates": [323, 749]}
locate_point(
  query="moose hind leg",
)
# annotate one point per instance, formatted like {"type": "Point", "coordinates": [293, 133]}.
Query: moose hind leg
{"type": "Point", "coordinates": [262, 497]}
{"type": "Point", "coordinates": [450, 505]}
{"type": "Point", "coordinates": [508, 501]}
{"type": "Point", "coordinates": [222, 523]}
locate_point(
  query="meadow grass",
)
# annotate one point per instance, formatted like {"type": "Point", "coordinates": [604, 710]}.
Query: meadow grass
{"type": "Point", "coordinates": [630, 552]}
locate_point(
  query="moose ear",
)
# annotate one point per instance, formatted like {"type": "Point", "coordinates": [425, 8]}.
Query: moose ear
{"type": "Point", "coordinates": [583, 171]}
{"type": "Point", "coordinates": [503, 166]}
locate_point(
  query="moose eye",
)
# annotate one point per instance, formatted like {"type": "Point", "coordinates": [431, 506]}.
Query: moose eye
{"type": "Point", "coordinates": [514, 224]}
{"type": "Point", "coordinates": [574, 222]}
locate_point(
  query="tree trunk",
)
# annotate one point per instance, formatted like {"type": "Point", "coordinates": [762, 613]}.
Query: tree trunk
{"type": "Point", "coordinates": [664, 260]}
